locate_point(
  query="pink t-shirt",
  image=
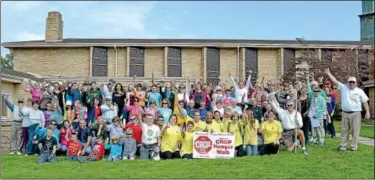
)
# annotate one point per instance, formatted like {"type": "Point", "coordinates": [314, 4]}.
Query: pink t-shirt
{"type": "Point", "coordinates": [36, 94]}
{"type": "Point", "coordinates": [133, 110]}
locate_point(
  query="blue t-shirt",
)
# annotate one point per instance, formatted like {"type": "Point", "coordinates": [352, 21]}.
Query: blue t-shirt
{"type": "Point", "coordinates": [154, 97]}
{"type": "Point", "coordinates": [166, 113]}
{"type": "Point", "coordinates": [83, 134]}
{"type": "Point", "coordinates": [116, 149]}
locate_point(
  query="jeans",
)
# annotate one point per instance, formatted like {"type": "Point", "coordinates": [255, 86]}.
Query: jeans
{"type": "Point", "coordinates": [331, 128]}
{"type": "Point", "coordinates": [72, 158]}
{"type": "Point", "coordinates": [46, 157]}
{"type": "Point", "coordinates": [146, 151]}
{"type": "Point", "coordinates": [306, 128]}
{"type": "Point", "coordinates": [63, 148]}
{"type": "Point", "coordinates": [114, 158]}
{"type": "Point", "coordinates": [252, 150]}
{"type": "Point", "coordinates": [30, 135]}
{"type": "Point", "coordinates": [88, 149]}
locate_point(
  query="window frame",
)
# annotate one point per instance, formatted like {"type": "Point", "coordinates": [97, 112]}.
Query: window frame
{"type": "Point", "coordinates": [173, 59]}
{"type": "Point", "coordinates": [4, 105]}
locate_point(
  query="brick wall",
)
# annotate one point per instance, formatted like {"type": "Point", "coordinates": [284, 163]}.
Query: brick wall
{"type": "Point", "coordinates": [242, 64]}
{"type": "Point", "coordinates": [154, 61]}
{"type": "Point", "coordinates": [121, 61]}
{"type": "Point", "coordinates": [5, 137]}
{"type": "Point", "coordinates": [279, 63]}
{"type": "Point", "coordinates": [53, 61]}
{"type": "Point", "coordinates": [192, 62]}
{"type": "Point", "coordinates": [228, 64]}
{"type": "Point", "coordinates": [267, 60]}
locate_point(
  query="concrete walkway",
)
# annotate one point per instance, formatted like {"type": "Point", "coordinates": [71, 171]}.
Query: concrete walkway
{"type": "Point", "coordinates": [362, 140]}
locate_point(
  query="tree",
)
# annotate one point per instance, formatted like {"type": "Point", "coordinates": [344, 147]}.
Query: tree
{"type": "Point", "coordinates": [7, 61]}
{"type": "Point", "coordinates": [342, 63]}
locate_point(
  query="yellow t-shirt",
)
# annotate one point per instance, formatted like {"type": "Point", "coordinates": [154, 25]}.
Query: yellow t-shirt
{"type": "Point", "coordinates": [199, 126]}
{"type": "Point", "coordinates": [235, 128]}
{"type": "Point", "coordinates": [251, 133]}
{"type": "Point", "coordinates": [214, 127]}
{"type": "Point", "coordinates": [224, 125]}
{"type": "Point", "coordinates": [170, 139]}
{"type": "Point", "coordinates": [271, 129]}
{"type": "Point", "coordinates": [187, 144]}
{"type": "Point", "coordinates": [180, 119]}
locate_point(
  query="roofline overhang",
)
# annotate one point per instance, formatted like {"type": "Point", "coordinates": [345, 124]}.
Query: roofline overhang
{"type": "Point", "coordinates": [197, 45]}
{"type": "Point", "coordinates": [11, 78]}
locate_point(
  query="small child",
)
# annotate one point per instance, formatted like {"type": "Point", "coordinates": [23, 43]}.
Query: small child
{"type": "Point", "coordinates": [116, 148]}
{"type": "Point", "coordinates": [130, 146]}
{"type": "Point", "coordinates": [74, 148]}
{"type": "Point", "coordinates": [47, 147]}
{"type": "Point", "coordinates": [97, 152]}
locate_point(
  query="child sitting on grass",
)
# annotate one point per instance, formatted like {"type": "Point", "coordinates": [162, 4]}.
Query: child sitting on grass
{"type": "Point", "coordinates": [116, 148]}
{"type": "Point", "coordinates": [130, 145]}
{"type": "Point", "coordinates": [47, 147]}
{"type": "Point", "coordinates": [74, 148]}
{"type": "Point", "coordinates": [97, 152]}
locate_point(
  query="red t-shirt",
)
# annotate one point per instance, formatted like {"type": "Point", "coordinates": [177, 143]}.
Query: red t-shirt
{"type": "Point", "coordinates": [98, 151]}
{"type": "Point", "coordinates": [97, 112]}
{"type": "Point", "coordinates": [334, 94]}
{"type": "Point", "coordinates": [137, 132]}
{"type": "Point", "coordinates": [73, 148]}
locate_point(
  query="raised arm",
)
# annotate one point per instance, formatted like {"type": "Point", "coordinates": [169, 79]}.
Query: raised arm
{"type": "Point", "coordinates": [153, 78]}
{"type": "Point", "coordinates": [331, 77]}
{"type": "Point", "coordinates": [248, 82]}
{"type": "Point", "coordinates": [234, 82]}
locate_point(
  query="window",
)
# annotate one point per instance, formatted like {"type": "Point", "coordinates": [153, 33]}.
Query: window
{"type": "Point", "coordinates": [174, 62]}
{"type": "Point", "coordinates": [213, 65]}
{"type": "Point", "coordinates": [100, 61]}
{"type": "Point", "coordinates": [251, 63]}
{"type": "Point", "coordinates": [289, 60]}
{"type": "Point", "coordinates": [4, 107]}
{"type": "Point", "coordinates": [367, 7]}
{"type": "Point", "coordinates": [137, 61]}
{"type": "Point", "coordinates": [326, 55]}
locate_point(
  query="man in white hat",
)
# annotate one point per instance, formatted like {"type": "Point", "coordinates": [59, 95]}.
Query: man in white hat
{"type": "Point", "coordinates": [352, 99]}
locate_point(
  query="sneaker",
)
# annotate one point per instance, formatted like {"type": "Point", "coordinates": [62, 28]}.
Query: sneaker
{"type": "Point", "coordinates": [125, 158]}
{"type": "Point", "coordinates": [342, 149]}
{"type": "Point", "coordinates": [305, 152]}
{"type": "Point", "coordinates": [36, 154]}
{"type": "Point", "coordinates": [11, 153]}
{"type": "Point", "coordinates": [26, 155]}
{"type": "Point", "coordinates": [353, 149]}
{"type": "Point", "coordinates": [19, 153]}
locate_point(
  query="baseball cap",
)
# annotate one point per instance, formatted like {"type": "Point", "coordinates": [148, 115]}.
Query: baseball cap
{"type": "Point", "coordinates": [351, 78]}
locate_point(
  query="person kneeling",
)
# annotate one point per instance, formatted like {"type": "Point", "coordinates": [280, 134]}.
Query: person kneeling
{"type": "Point", "coordinates": [97, 152]}
{"type": "Point", "coordinates": [116, 148]}
{"type": "Point", "coordinates": [47, 147]}
{"type": "Point", "coordinates": [130, 145]}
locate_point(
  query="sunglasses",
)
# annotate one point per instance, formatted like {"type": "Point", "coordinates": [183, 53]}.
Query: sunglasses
{"type": "Point", "coordinates": [316, 91]}
{"type": "Point", "coordinates": [351, 82]}
{"type": "Point", "coordinates": [129, 134]}
{"type": "Point", "coordinates": [152, 102]}
{"type": "Point", "coordinates": [132, 119]}
{"type": "Point", "coordinates": [165, 103]}
{"type": "Point", "coordinates": [289, 105]}
{"type": "Point", "coordinates": [53, 124]}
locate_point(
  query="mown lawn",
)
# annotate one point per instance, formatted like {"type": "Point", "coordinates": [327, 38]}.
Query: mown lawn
{"type": "Point", "coordinates": [321, 162]}
{"type": "Point", "coordinates": [366, 130]}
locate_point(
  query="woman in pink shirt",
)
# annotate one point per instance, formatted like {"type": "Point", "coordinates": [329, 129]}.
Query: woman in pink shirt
{"type": "Point", "coordinates": [135, 109]}
{"type": "Point", "coordinates": [153, 110]}
{"type": "Point", "coordinates": [34, 90]}
{"type": "Point", "coordinates": [65, 134]}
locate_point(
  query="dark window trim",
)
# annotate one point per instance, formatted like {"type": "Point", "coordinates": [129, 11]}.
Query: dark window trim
{"type": "Point", "coordinates": [176, 68]}
{"type": "Point", "coordinates": [99, 62]}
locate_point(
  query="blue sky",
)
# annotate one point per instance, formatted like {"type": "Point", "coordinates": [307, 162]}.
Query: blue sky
{"type": "Point", "coordinates": [320, 20]}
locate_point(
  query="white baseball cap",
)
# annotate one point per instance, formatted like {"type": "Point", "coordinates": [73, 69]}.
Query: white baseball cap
{"type": "Point", "coordinates": [351, 78]}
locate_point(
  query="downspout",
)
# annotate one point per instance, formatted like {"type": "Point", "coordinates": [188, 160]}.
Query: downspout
{"type": "Point", "coordinates": [238, 62]}
{"type": "Point", "coordinates": [116, 71]}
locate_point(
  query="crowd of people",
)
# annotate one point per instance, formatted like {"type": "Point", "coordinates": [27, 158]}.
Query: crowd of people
{"type": "Point", "coordinates": [86, 121]}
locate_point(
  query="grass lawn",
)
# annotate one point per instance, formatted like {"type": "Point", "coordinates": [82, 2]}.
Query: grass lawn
{"type": "Point", "coordinates": [322, 162]}
{"type": "Point", "coordinates": [366, 130]}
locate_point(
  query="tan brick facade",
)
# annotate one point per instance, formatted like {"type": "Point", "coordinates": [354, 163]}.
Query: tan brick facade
{"type": "Point", "coordinates": [242, 64]}
{"type": "Point", "coordinates": [54, 26]}
{"type": "Point", "coordinates": [154, 61]}
{"type": "Point", "coordinates": [267, 60]}
{"type": "Point", "coordinates": [228, 63]}
{"type": "Point", "coordinates": [53, 61]}
{"type": "Point", "coordinates": [192, 59]}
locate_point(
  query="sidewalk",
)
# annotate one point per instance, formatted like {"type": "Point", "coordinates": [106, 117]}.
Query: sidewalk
{"type": "Point", "coordinates": [362, 140]}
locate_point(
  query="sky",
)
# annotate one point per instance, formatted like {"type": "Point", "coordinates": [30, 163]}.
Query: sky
{"type": "Point", "coordinates": [281, 20]}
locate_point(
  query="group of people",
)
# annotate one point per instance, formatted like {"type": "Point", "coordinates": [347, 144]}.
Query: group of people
{"type": "Point", "coordinates": [85, 121]}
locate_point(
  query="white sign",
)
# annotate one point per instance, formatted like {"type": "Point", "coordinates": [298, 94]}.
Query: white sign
{"type": "Point", "coordinates": [211, 146]}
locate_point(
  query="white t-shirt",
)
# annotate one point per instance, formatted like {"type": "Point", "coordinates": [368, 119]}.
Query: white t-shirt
{"type": "Point", "coordinates": [352, 99]}
{"type": "Point", "coordinates": [150, 134]}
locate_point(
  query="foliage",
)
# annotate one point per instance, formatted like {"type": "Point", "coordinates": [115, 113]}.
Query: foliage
{"type": "Point", "coordinates": [321, 163]}
{"type": "Point", "coordinates": [7, 61]}
{"type": "Point", "coordinates": [342, 64]}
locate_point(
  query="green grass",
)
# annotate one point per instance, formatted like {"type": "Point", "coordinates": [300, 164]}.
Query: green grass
{"type": "Point", "coordinates": [366, 130]}
{"type": "Point", "coordinates": [322, 162]}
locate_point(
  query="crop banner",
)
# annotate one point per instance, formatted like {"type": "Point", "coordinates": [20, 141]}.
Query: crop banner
{"type": "Point", "coordinates": [212, 146]}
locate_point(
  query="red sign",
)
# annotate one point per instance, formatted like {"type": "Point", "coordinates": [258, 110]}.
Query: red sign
{"type": "Point", "coordinates": [203, 144]}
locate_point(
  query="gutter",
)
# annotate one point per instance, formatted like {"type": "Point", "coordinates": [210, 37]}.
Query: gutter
{"type": "Point", "coordinates": [116, 61]}
{"type": "Point", "coordinates": [197, 45]}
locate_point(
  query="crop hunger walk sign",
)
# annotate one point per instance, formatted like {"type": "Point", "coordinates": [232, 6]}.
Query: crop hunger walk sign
{"type": "Point", "coordinates": [211, 146]}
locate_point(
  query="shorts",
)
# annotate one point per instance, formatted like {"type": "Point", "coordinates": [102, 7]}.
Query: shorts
{"type": "Point", "coordinates": [288, 137]}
